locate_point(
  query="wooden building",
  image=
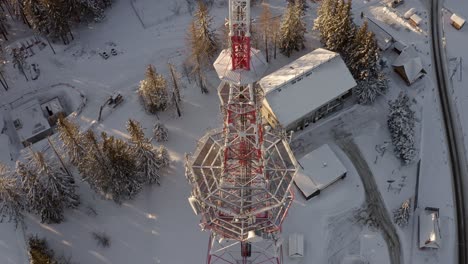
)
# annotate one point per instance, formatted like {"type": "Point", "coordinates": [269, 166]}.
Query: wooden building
{"type": "Point", "coordinates": [306, 90]}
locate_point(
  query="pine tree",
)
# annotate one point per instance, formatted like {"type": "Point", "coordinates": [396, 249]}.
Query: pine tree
{"type": "Point", "coordinates": [401, 122]}
{"type": "Point", "coordinates": [363, 61]}
{"type": "Point", "coordinates": [94, 167]}
{"type": "Point", "coordinates": [125, 182]}
{"type": "Point", "coordinates": [19, 61]}
{"type": "Point", "coordinates": [145, 154]}
{"type": "Point", "coordinates": [292, 29]}
{"type": "Point", "coordinates": [324, 20]}
{"type": "Point", "coordinates": [160, 132]}
{"type": "Point", "coordinates": [206, 35]}
{"type": "Point", "coordinates": [153, 91]}
{"type": "Point", "coordinates": [175, 76]}
{"type": "Point", "coordinates": [202, 43]}
{"type": "Point", "coordinates": [11, 197]}
{"type": "Point", "coordinates": [265, 22]}
{"type": "Point", "coordinates": [163, 159]}
{"type": "Point", "coordinates": [342, 30]}
{"type": "Point", "coordinates": [401, 214]}
{"type": "Point", "coordinates": [30, 184]}
{"type": "Point", "coordinates": [72, 139]}
{"type": "Point", "coordinates": [54, 188]}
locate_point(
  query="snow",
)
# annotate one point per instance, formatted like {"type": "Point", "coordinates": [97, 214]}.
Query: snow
{"type": "Point", "coordinates": [320, 168]}
{"type": "Point", "coordinates": [31, 119]}
{"type": "Point", "coordinates": [5, 157]}
{"type": "Point", "coordinates": [159, 225]}
{"type": "Point", "coordinates": [306, 84]}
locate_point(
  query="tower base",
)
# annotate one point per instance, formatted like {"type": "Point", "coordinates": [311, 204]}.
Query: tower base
{"type": "Point", "coordinates": [225, 251]}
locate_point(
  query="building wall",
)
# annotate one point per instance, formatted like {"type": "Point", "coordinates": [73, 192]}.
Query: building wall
{"type": "Point", "coordinates": [312, 117]}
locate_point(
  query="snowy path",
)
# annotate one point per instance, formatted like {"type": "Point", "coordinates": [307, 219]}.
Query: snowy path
{"type": "Point", "coordinates": [375, 205]}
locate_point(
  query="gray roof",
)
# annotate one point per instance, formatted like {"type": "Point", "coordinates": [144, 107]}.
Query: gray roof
{"type": "Point", "coordinates": [319, 77]}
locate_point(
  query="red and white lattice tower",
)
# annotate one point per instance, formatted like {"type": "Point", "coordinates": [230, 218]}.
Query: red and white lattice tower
{"type": "Point", "coordinates": [242, 174]}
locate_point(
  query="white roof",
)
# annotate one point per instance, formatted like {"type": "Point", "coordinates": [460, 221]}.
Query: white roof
{"type": "Point", "coordinates": [429, 233]}
{"type": "Point", "coordinates": [457, 19]}
{"type": "Point", "coordinates": [296, 245]}
{"type": "Point", "coordinates": [32, 119]}
{"type": "Point", "coordinates": [411, 63]}
{"type": "Point", "coordinates": [290, 102]}
{"type": "Point", "coordinates": [416, 19]}
{"type": "Point", "coordinates": [320, 168]}
{"type": "Point", "coordinates": [223, 66]}
{"type": "Point", "coordinates": [384, 39]}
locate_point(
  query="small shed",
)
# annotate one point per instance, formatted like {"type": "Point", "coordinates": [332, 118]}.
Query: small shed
{"type": "Point", "coordinates": [409, 13]}
{"type": "Point", "coordinates": [429, 230]}
{"type": "Point", "coordinates": [415, 20]}
{"type": "Point", "coordinates": [30, 123]}
{"type": "Point", "coordinates": [296, 245]}
{"type": "Point", "coordinates": [320, 169]}
{"type": "Point", "coordinates": [409, 66]}
{"type": "Point", "coordinates": [457, 21]}
{"type": "Point", "coordinates": [52, 109]}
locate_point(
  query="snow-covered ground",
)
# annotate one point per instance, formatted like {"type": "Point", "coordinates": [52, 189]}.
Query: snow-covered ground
{"type": "Point", "coordinates": [159, 226]}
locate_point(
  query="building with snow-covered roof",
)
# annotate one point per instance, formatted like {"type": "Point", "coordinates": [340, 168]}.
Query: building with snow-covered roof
{"type": "Point", "coordinates": [319, 169]}
{"type": "Point", "coordinates": [306, 90]}
{"type": "Point", "coordinates": [409, 66]}
{"type": "Point", "coordinates": [429, 233]}
{"type": "Point", "coordinates": [30, 123]}
{"type": "Point", "coordinates": [384, 39]}
{"type": "Point", "coordinates": [457, 21]}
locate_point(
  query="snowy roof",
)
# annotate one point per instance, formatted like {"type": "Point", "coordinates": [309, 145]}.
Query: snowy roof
{"type": "Point", "coordinates": [416, 19]}
{"type": "Point", "coordinates": [223, 66]}
{"type": "Point", "coordinates": [306, 84]}
{"type": "Point", "coordinates": [384, 39]}
{"type": "Point", "coordinates": [31, 119]}
{"type": "Point", "coordinates": [457, 19]}
{"type": "Point", "coordinates": [411, 63]}
{"type": "Point", "coordinates": [5, 151]}
{"type": "Point", "coordinates": [320, 168]}
{"type": "Point", "coordinates": [429, 233]}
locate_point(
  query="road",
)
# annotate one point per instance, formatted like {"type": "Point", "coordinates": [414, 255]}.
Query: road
{"type": "Point", "coordinates": [453, 131]}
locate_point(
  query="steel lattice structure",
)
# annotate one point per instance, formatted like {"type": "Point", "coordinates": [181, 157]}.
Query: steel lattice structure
{"type": "Point", "coordinates": [242, 174]}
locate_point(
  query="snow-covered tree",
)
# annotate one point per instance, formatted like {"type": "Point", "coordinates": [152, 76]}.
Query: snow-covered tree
{"type": "Point", "coordinates": [153, 91]}
{"type": "Point", "coordinates": [292, 29]}
{"type": "Point", "coordinates": [206, 36]}
{"type": "Point", "coordinates": [401, 214]}
{"type": "Point", "coordinates": [160, 132]}
{"type": "Point", "coordinates": [145, 154]}
{"type": "Point", "coordinates": [53, 188]}
{"type": "Point", "coordinates": [11, 197]}
{"type": "Point", "coordinates": [265, 28]}
{"type": "Point", "coordinates": [93, 166]}
{"type": "Point", "coordinates": [202, 43]}
{"type": "Point", "coordinates": [369, 89]}
{"type": "Point", "coordinates": [175, 76]}
{"type": "Point", "coordinates": [72, 139]}
{"type": "Point", "coordinates": [401, 122]}
{"type": "Point", "coordinates": [324, 20]}
{"type": "Point", "coordinates": [343, 30]}
{"type": "Point", "coordinates": [163, 159]}
{"type": "Point", "coordinates": [125, 183]}
{"type": "Point", "coordinates": [19, 61]}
